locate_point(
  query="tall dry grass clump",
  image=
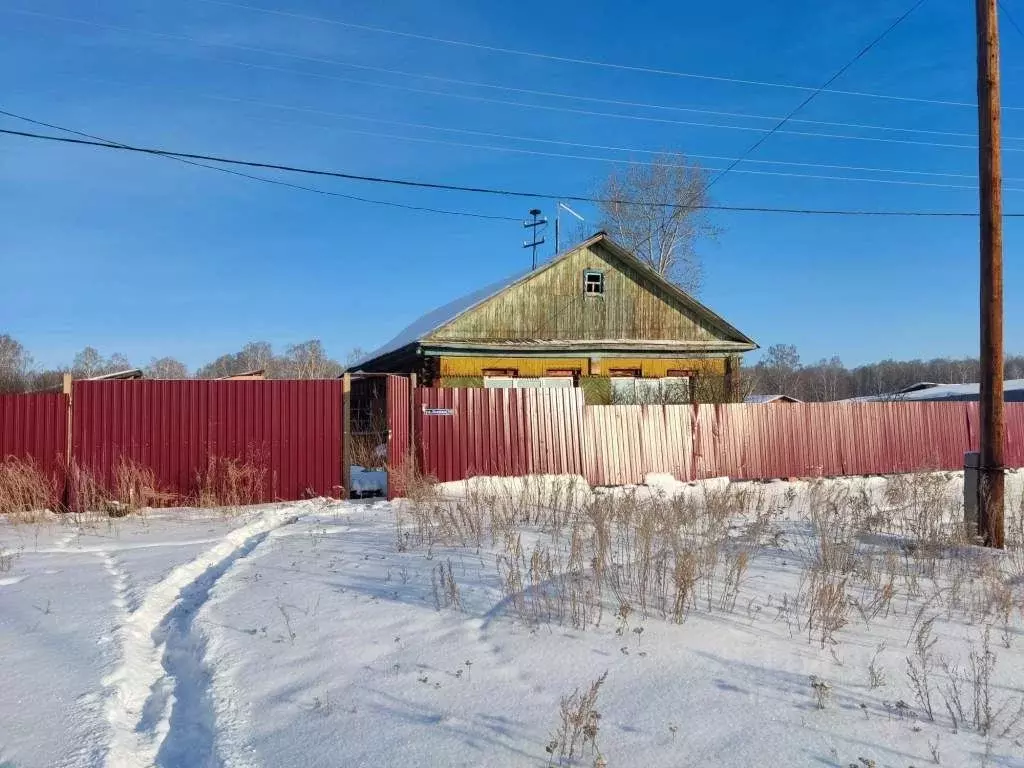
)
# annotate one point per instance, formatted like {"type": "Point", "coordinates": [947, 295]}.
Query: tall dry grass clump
{"type": "Point", "coordinates": [567, 555]}
{"type": "Point", "coordinates": [25, 490]}
{"type": "Point", "coordinates": [229, 482]}
{"type": "Point", "coordinates": [136, 487]}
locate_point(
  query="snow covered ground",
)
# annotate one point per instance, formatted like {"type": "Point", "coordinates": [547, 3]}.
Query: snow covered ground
{"type": "Point", "coordinates": [451, 631]}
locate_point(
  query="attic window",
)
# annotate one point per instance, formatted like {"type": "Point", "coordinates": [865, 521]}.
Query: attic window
{"type": "Point", "coordinates": [593, 282]}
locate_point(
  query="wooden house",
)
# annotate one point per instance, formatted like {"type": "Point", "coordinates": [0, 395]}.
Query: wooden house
{"type": "Point", "coordinates": [594, 316]}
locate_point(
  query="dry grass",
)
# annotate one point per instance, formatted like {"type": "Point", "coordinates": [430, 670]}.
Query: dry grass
{"type": "Point", "coordinates": [230, 483]}
{"type": "Point", "coordinates": [26, 493]}
{"type": "Point", "coordinates": [364, 450]}
{"type": "Point", "coordinates": [578, 726]}
{"type": "Point", "coordinates": [136, 487]}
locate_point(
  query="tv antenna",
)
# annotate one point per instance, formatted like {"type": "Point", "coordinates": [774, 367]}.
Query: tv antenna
{"type": "Point", "coordinates": [558, 215]}
{"type": "Point", "coordinates": [534, 242]}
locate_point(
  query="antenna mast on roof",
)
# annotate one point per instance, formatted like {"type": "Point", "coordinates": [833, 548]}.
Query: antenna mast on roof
{"type": "Point", "coordinates": [534, 242]}
{"type": "Point", "coordinates": [558, 216]}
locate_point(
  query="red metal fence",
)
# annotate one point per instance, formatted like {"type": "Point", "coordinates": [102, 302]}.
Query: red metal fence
{"type": "Point", "coordinates": [399, 404]}
{"type": "Point", "coordinates": [766, 441]}
{"type": "Point", "coordinates": [516, 432]}
{"type": "Point", "coordinates": [289, 430]}
{"type": "Point", "coordinates": [293, 431]}
{"type": "Point", "coordinates": [34, 428]}
{"type": "Point", "coordinates": [465, 432]}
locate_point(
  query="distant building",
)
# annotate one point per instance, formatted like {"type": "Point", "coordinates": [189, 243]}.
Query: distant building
{"type": "Point", "coordinates": [1013, 392]}
{"type": "Point", "coordinates": [131, 373]}
{"type": "Point", "coordinates": [256, 375]}
{"type": "Point", "coordinates": [594, 317]}
{"type": "Point", "coordinates": [764, 399]}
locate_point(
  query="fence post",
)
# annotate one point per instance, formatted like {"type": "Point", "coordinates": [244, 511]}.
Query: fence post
{"type": "Point", "coordinates": [346, 435]}
{"type": "Point", "coordinates": [412, 421]}
{"type": "Point", "coordinates": [972, 472]}
{"type": "Point", "coordinates": [68, 455]}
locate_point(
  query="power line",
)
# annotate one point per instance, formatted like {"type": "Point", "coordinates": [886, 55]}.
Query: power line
{"type": "Point", "coordinates": [810, 97]}
{"type": "Point", "coordinates": [654, 163]}
{"type": "Point", "coordinates": [581, 61]}
{"type": "Point", "coordinates": [557, 142]}
{"type": "Point", "coordinates": [626, 103]}
{"type": "Point", "coordinates": [1009, 18]}
{"type": "Point", "coordinates": [322, 60]}
{"type": "Point", "coordinates": [544, 107]}
{"type": "Point", "coordinates": [478, 190]}
{"type": "Point", "coordinates": [477, 84]}
{"type": "Point", "coordinates": [278, 182]}
{"type": "Point", "coordinates": [642, 118]}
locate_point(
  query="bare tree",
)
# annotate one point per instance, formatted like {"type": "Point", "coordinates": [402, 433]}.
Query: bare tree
{"type": "Point", "coordinates": [355, 355]}
{"type": "Point", "coordinates": [254, 356]}
{"type": "Point", "coordinates": [659, 212]}
{"type": "Point", "coordinates": [309, 361]}
{"type": "Point", "coordinates": [89, 362]}
{"type": "Point", "coordinates": [828, 379]}
{"type": "Point", "coordinates": [15, 363]}
{"type": "Point", "coordinates": [166, 368]}
{"type": "Point", "coordinates": [778, 370]}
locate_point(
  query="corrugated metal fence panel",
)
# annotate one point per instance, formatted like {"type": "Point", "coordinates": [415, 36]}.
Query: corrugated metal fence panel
{"type": "Point", "coordinates": [555, 424]}
{"type": "Point", "coordinates": [624, 443]}
{"type": "Point", "coordinates": [292, 429]}
{"type": "Point", "coordinates": [465, 432]}
{"type": "Point", "coordinates": [399, 414]}
{"type": "Point", "coordinates": [34, 428]}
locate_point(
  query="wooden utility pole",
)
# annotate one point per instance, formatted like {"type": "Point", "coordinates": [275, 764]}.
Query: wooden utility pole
{"type": "Point", "coordinates": [990, 179]}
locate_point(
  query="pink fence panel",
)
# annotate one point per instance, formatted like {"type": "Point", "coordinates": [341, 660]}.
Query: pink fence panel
{"type": "Point", "coordinates": [289, 429]}
{"type": "Point", "coordinates": [624, 443]}
{"type": "Point", "coordinates": [34, 428]}
{"type": "Point", "coordinates": [465, 432]}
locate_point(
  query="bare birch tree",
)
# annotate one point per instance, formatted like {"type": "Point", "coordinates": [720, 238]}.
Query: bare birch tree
{"type": "Point", "coordinates": [658, 211]}
{"type": "Point", "coordinates": [166, 368]}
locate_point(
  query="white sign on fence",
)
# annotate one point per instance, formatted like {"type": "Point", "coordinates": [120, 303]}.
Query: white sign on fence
{"type": "Point", "coordinates": [438, 411]}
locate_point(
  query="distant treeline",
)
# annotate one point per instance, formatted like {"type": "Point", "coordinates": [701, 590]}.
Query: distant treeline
{"type": "Point", "coordinates": [781, 372]}
{"type": "Point", "coordinates": [18, 372]}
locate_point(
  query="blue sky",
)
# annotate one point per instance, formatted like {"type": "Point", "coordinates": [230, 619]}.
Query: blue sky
{"type": "Point", "coordinates": [151, 257]}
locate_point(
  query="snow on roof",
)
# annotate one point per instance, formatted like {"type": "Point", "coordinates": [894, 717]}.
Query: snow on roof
{"type": "Point", "coordinates": [442, 315]}
{"type": "Point", "coordinates": [130, 373]}
{"type": "Point", "coordinates": [1013, 390]}
{"type": "Point", "coordinates": [920, 385]}
{"type": "Point", "coordinates": [755, 399]}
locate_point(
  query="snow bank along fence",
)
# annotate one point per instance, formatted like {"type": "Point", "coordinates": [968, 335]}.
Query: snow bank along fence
{"type": "Point", "coordinates": [286, 434]}
{"type": "Point", "coordinates": [460, 433]}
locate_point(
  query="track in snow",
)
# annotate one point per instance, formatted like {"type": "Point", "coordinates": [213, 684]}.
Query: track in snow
{"type": "Point", "coordinates": [159, 707]}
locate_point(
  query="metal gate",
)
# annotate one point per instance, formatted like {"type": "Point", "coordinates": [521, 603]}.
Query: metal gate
{"type": "Point", "coordinates": [399, 408]}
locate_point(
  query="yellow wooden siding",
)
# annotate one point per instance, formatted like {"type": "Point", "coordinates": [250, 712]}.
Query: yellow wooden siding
{"type": "Point", "coordinates": [657, 367]}
{"type": "Point", "coordinates": [539, 366]}
{"type": "Point", "coordinates": [527, 366]}
{"type": "Point", "coordinates": [552, 305]}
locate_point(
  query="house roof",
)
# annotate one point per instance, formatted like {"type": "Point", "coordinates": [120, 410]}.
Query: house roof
{"type": "Point", "coordinates": [130, 373]}
{"type": "Point", "coordinates": [755, 399]}
{"type": "Point", "coordinates": [1013, 392]}
{"type": "Point", "coordinates": [442, 316]}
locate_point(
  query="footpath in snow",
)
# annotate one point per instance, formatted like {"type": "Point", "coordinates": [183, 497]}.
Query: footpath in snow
{"type": "Point", "coordinates": [722, 625]}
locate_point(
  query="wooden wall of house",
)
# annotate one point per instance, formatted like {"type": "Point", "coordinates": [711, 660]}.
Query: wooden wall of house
{"type": "Point", "coordinates": [653, 367]}
{"type": "Point", "coordinates": [554, 306]}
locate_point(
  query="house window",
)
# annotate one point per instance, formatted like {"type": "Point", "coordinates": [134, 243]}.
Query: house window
{"type": "Point", "coordinates": [570, 374]}
{"type": "Point", "coordinates": [543, 382]}
{"type": "Point", "coordinates": [593, 282]}
{"type": "Point", "coordinates": [509, 372]}
{"type": "Point", "coordinates": [629, 388]}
